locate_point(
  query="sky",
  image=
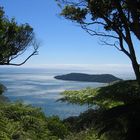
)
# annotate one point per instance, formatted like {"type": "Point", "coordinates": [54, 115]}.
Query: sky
{"type": "Point", "coordinates": [62, 42]}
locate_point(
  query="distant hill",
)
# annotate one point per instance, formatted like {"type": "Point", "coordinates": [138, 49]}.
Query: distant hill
{"type": "Point", "coordinates": [102, 78]}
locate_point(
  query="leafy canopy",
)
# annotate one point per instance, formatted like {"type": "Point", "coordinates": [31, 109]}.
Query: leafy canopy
{"type": "Point", "coordinates": [116, 116]}
{"type": "Point", "coordinates": [115, 21]}
{"type": "Point", "coordinates": [15, 39]}
{"type": "Point", "coordinates": [120, 93]}
{"type": "Point", "coordinates": [18, 121]}
{"type": "Point", "coordinates": [110, 14]}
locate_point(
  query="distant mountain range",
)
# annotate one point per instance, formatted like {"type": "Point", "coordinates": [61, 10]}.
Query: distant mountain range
{"type": "Point", "coordinates": [102, 78]}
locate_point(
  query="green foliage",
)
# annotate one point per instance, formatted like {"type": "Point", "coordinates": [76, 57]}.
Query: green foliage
{"type": "Point", "coordinates": [84, 121]}
{"type": "Point", "coordinates": [117, 116]}
{"type": "Point", "coordinates": [114, 19]}
{"type": "Point", "coordinates": [2, 88]}
{"type": "Point", "coordinates": [109, 96]}
{"type": "Point", "coordinates": [18, 121]}
{"type": "Point", "coordinates": [83, 135]}
{"type": "Point", "coordinates": [56, 127]}
{"type": "Point", "coordinates": [124, 91]}
{"type": "Point", "coordinates": [82, 126]}
{"type": "Point", "coordinates": [14, 39]}
{"type": "Point", "coordinates": [121, 122]}
{"type": "Point", "coordinates": [84, 96]}
{"type": "Point", "coordinates": [110, 14]}
{"type": "Point", "coordinates": [90, 126]}
{"type": "Point", "coordinates": [73, 13]}
{"type": "Point", "coordinates": [118, 123]}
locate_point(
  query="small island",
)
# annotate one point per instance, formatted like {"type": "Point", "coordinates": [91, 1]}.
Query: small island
{"type": "Point", "coordinates": [101, 78]}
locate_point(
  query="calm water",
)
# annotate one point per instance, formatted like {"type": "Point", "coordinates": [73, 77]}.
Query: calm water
{"type": "Point", "coordinates": [39, 88]}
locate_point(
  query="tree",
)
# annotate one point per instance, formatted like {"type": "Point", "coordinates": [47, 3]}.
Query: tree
{"type": "Point", "coordinates": [114, 19]}
{"type": "Point", "coordinates": [134, 8]}
{"type": "Point", "coordinates": [15, 39]}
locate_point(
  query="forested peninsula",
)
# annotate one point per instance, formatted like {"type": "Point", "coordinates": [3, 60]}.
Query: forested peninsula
{"type": "Point", "coordinates": [101, 78]}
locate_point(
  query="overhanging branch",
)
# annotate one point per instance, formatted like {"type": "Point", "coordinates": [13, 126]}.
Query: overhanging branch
{"type": "Point", "coordinates": [14, 64]}
{"type": "Point", "coordinates": [94, 33]}
{"type": "Point", "coordinates": [35, 52]}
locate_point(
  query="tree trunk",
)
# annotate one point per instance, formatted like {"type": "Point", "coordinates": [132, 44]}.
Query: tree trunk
{"type": "Point", "coordinates": [136, 70]}
{"type": "Point", "coordinates": [133, 58]}
{"type": "Point", "coordinates": [134, 61]}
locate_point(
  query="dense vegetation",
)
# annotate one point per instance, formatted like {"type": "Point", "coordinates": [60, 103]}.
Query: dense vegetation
{"type": "Point", "coordinates": [115, 113]}
{"type": "Point", "coordinates": [2, 88]}
{"type": "Point", "coordinates": [22, 122]}
{"type": "Point", "coordinates": [15, 40]}
{"type": "Point", "coordinates": [102, 78]}
{"type": "Point", "coordinates": [109, 96]}
{"type": "Point", "coordinates": [116, 116]}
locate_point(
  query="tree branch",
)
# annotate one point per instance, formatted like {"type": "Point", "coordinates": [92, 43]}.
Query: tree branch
{"type": "Point", "coordinates": [109, 44]}
{"type": "Point", "coordinates": [14, 64]}
{"type": "Point", "coordinates": [91, 23]}
{"type": "Point", "coordinates": [35, 52]}
{"type": "Point", "coordinates": [67, 2]}
{"type": "Point", "coordinates": [94, 33]}
{"type": "Point", "coordinates": [122, 47]}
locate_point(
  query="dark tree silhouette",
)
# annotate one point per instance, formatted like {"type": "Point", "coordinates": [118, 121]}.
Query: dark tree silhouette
{"type": "Point", "coordinates": [114, 19]}
{"type": "Point", "coordinates": [15, 39]}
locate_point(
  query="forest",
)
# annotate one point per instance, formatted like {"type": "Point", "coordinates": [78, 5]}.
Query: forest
{"type": "Point", "coordinates": [113, 110]}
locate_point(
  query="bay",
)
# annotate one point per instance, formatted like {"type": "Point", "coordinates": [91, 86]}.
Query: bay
{"type": "Point", "coordinates": [39, 88]}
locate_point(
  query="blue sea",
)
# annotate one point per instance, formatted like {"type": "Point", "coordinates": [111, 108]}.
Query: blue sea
{"type": "Point", "coordinates": [39, 88]}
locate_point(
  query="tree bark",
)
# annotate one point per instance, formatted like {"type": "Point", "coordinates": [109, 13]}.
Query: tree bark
{"type": "Point", "coordinates": [133, 58]}
{"type": "Point", "coordinates": [136, 70]}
